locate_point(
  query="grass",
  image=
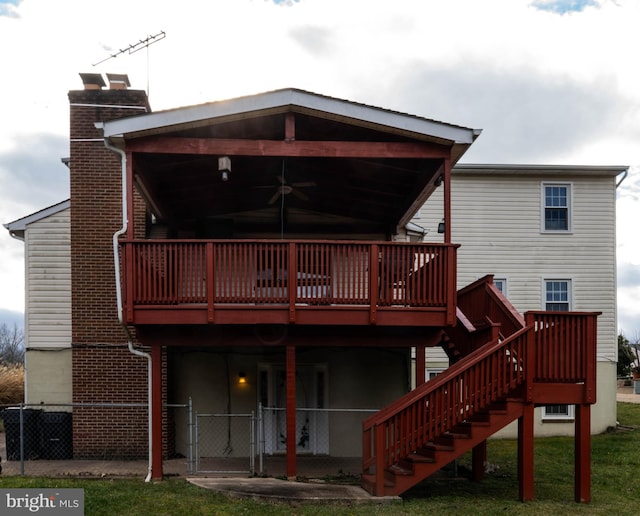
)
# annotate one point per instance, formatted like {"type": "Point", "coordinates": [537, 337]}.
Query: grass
{"type": "Point", "coordinates": [615, 483]}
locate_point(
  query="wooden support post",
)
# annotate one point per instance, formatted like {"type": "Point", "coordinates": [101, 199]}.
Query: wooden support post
{"type": "Point", "coordinates": [583, 454]}
{"type": "Point", "coordinates": [420, 365]}
{"type": "Point", "coordinates": [292, 469]}
{"type": "Point", "coordinates": [156, 412]}
{"type": "Point", "coordinates": [525, 453]}
{"type": "Point", "coordinates": [478, 461]}
{"type": "Point", "coordinates": [447, 200]}
{"type": "Point", "coordinates": [380, 447]}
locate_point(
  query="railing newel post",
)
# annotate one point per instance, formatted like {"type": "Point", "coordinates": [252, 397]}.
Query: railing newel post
{"type": "Point", "coordinates": [211, 283]}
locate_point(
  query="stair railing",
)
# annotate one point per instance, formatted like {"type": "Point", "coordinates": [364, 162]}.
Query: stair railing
{"type": "Point", "coordinates": [435, 407]}
{"type": "Point", "coordinates": [553, 347]}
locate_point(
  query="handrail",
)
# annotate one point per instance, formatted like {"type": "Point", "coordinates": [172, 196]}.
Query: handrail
{"type": "Point", "coordinates": [443, 379]}
{"type": "Point", "coordinates": [482, 299]}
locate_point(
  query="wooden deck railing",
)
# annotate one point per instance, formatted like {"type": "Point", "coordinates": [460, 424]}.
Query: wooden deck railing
{"type": "Point", "coordinates": [482, 300]}
{"type": "Point", "coordinates": [244, 272]}
{"type": "Point", "coordinates": [554, 347]}
{"type": "Point", "coordinates": [564, 348]}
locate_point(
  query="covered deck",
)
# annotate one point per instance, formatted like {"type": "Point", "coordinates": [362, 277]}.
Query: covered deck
{"type": "Point", "coordinates": [287, 282]}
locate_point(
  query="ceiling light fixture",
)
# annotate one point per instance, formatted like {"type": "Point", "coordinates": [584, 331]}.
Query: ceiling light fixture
{"type": "Point", "coordinates": [224, 167]}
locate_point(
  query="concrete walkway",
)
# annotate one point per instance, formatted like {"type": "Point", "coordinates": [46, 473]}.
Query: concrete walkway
{"type": "Point", "coordinates": [273, 489]}
{"type": "Point", "coordinates": [626, 395]}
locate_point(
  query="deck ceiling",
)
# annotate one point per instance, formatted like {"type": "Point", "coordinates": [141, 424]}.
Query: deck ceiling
{"type": "Point", "coordinates": [359, 194]}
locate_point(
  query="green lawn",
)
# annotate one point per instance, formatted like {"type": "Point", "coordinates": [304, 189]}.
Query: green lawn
{"type": "Point", "coordinates": [615, 483]}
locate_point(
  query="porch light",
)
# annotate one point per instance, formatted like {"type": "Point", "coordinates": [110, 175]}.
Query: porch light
{"type": "Point", "coordinates": [224, 166]}
{"type": "Point", "coordinates": [441, 226]}
{"type": "Point", "coordinates": [242, 378]}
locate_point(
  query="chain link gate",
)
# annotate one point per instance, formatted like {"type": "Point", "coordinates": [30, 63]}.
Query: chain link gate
{"type": "Point", "coordinates": [225, 443]}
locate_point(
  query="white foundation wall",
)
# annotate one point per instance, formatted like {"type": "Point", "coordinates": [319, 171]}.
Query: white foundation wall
{"type": "Point", "coordinates": [359, 379]}
{"type": "Point", "coordinates": [48, 376]}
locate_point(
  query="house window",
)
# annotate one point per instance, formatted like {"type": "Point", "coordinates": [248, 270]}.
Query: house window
{"type": "Point", "coordinates": [557, 294]}
{"type": "Point", "coordinates": [501, 284]}
{"type": "Point", "coordinates": [556, 199]}
{"type": "Point", "coordinates": [432, 373]}
{"type": "Point", "coordinates": [557, 412]}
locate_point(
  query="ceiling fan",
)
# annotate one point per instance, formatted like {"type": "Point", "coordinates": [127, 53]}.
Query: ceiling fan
{"type": "Point", "coordinates": [284, 189]}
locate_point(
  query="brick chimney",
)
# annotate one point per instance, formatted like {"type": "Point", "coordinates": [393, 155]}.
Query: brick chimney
{"type": "Point", "coordinates": [118, 81]}
{"type": "Point", "coordinates": [103, 368]}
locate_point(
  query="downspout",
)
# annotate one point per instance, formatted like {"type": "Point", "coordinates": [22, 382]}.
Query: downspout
{"type": "Point", "coordinates": [116, 260]}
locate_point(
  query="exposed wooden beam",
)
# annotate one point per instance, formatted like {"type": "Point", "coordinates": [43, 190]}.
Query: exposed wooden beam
{"type": "Point", "coordinates": [323, 149]}
{"type": "Point", "coordinates": [289, 127]}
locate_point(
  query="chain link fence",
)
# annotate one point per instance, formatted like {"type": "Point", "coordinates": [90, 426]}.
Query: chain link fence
{"type": "Point", "coordinates": [110, 440]}
{"type": "Point", "coordinates": [84, 439]}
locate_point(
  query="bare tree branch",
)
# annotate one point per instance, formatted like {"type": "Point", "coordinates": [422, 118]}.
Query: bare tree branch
{"type": "Point", "coordinates": [11, 345]}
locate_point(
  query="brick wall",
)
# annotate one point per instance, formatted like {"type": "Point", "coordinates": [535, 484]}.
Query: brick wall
{"type": "Point", "coordinates": [104, 371]}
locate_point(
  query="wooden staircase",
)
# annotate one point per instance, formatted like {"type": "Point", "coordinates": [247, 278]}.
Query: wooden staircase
{"type": "Point", "coordinates": [502, 361]}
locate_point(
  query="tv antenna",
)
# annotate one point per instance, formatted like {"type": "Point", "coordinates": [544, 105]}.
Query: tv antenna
{"type": "Point", "coordinates": [135, 47]}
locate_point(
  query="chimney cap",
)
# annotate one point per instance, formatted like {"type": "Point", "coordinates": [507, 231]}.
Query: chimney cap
{"type": "Point", "coordinates": [92, 81]}
{"type": "Point", "coordinates": [118, 81]}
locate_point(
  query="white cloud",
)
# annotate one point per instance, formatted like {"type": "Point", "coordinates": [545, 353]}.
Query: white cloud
{"type": "Point", "coordinates": [545, 87]}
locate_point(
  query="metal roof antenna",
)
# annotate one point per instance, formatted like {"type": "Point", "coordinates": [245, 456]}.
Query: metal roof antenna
{"type": "Point", "coordinates": [135, 47]}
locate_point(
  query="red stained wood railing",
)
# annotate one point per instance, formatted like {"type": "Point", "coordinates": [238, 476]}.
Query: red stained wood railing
{"type": "Point", "coordinates": [482, 299]}
{"type": "Point", "coordinates": [173, 272]}
{"type": "Point", "coordinates": [552, 347]}
{"type": "Point", "coordinates": [561, 353]}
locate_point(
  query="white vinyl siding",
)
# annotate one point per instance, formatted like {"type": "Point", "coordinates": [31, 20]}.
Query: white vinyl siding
{"type": "Point", "coordinates": [496, 219]}
{"type": "Point", "coordinates": [48, 282]}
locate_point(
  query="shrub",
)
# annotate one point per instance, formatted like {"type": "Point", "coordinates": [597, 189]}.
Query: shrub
{"type": "Point", "coordinates": [11, 384]}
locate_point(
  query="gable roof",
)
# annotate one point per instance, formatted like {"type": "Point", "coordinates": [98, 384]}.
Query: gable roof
{"type": "Point", "coordinates": [278, 101]}
{"type": "Point", "coordinates": [348, 165]}
{"type": "Point", "coordinates": [19, 226]}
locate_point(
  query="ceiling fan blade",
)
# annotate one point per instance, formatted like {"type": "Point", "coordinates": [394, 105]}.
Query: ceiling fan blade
{"type": "Point", "coordinates": [300, 195]}
{"type": "Point", "coordinates": [275, 196]}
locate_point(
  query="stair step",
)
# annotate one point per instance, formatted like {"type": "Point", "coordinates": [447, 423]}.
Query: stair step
{"type": "Point", "coordinates": [435, 447]}
{"type": "Point", "coordinates": [481, 418]}
{"type": "Point", "coordinates": [457, 435]}
{"type": "Point", "coordinates": [369, 483]}
{"type": "Point", "coordinates": [420, 459]}
{"type": "Point", "coordinates": [397, 469]}
{"type": "Point", "coordinates": [445, 441]}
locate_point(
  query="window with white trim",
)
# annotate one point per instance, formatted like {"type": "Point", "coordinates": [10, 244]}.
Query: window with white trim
{"type": "Point", "coordinates": [501, 284]}
{"type": "Point", "coordinates": [557, 298]}
{"type": "Point", "coordinates": [432, 373]}
{"type": "Point", "coordinates": [557, 295]}
{"type": "Point", "coordinates": [556, 202]}
{"type": "Point", "coordinates": [557, 412]}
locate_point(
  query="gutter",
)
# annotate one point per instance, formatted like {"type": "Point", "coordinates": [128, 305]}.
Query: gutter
{"type": "Point", "coordinates": [624, 176]}
{"type": "Point", "coordinates": [116, 259]}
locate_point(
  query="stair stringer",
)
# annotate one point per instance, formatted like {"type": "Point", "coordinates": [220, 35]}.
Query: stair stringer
{"type": "Point", "coordinates": [424, 463]}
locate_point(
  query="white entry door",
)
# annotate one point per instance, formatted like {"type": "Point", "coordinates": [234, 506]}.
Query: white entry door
{"type": "Point", "coordinates": [312, 426]}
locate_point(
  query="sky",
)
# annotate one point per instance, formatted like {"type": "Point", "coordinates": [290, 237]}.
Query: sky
{"type": "Point", "coordinates": [548, 82]}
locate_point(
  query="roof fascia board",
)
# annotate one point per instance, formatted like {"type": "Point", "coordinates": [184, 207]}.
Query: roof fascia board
{"type": "Point", "coordinates": [575, 170]}
{"type": "Point", "coordinates": [282, 100]}
{"type": "Point", "coordinates": [22, 223]}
